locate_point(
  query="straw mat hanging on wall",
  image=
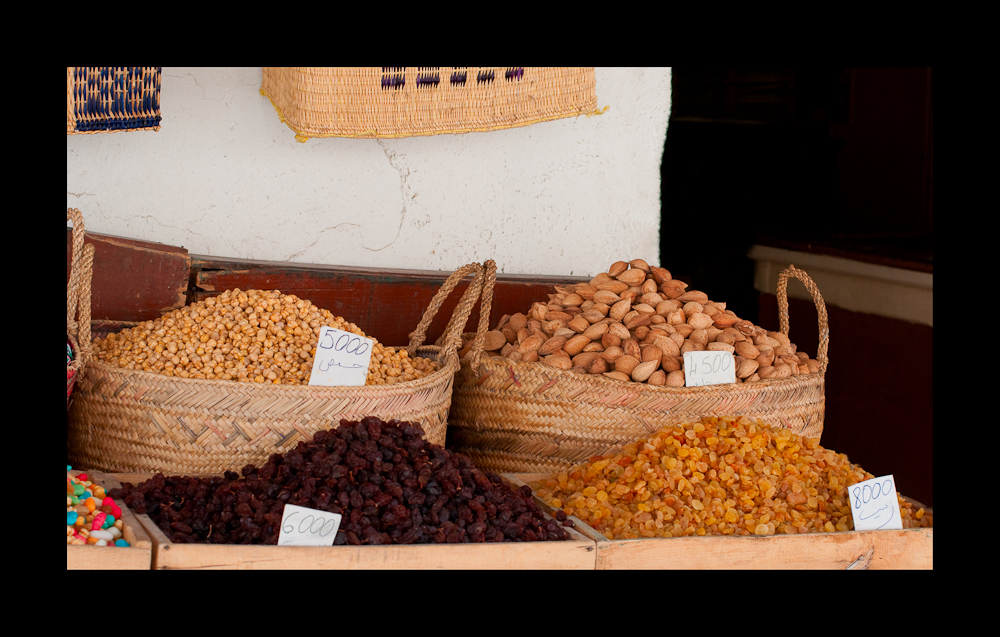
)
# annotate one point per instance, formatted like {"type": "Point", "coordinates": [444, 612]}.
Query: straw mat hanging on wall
{"type": "Point", "coordinates": [108, 99]}
{"type": "Point", "coordinates": [391, 101]}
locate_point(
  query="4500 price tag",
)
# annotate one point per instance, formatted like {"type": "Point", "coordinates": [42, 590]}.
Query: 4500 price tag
{"type": "Point", "coordinates": [708, 368]}
{"type": "Point", "coordinates": [301, 526]}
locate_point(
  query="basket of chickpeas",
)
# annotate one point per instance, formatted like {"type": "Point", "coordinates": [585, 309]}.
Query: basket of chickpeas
{"type": "Point", "coordinates": [224, 382]}
{"type": "Point", "coordinates": [602, 364]}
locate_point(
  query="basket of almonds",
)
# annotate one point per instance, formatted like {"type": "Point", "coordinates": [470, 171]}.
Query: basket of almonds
{"type": "Point", "coordinates": [601, 364]}
{"type": "Point", "coordinates": [223, 383]}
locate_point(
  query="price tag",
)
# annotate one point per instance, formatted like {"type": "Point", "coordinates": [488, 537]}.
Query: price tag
{"type": "Point", "coordinates": [709, 368]}
{"type": "Point", "coordinates": [301, 526]}
{"type": "Point", "coordinates": [341, 358]}
{"type": "Point", "coordinates": [874, 504]}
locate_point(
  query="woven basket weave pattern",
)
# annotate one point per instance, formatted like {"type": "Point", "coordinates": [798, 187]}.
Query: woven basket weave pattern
{"type": "Point", "coordinates": [129, 421]}
{"type": "Point", "coordinates": [385, 102]}
{"type": "Point", "coordinates": [136, 421]}
{"type": "Point", "coordinates": [106, 99]}
{"type": "Point", "coordinates": [521, 418]}
{"type": "Point", "coordinates": [518, 417]}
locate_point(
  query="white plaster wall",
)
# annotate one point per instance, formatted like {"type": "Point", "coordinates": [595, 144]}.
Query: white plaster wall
{"type": "Point", "coordinates": [224, 177]}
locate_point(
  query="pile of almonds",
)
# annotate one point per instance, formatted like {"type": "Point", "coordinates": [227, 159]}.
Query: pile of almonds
{"type": "Point", "coordinates": [633, 323]}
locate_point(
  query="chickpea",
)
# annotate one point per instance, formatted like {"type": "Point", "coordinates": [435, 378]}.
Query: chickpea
{"type": "Point", "coordinates": [214, 338]}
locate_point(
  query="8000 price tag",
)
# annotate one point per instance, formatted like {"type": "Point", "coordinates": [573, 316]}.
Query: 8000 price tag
{"type": "Point", "coordinates": [875, 505]}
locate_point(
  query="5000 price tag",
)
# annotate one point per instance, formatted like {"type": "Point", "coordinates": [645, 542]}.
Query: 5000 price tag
{"type": "Point", "coordinates": [874, 504]}
{"type": "Point", "coordinates": [709, 368]}
{"type": "Point", "coordinates": [301, 526]}
{"type": "Point", "coordinates": [341, 358]}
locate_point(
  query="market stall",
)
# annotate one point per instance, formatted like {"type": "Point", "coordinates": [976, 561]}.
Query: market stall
{"type": "Point", "coordinates": [235, 412]}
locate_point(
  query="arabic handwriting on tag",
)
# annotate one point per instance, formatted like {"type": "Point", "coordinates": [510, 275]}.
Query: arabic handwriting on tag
{"type": "Point", "coordinates": [342, 358]}
{"type": "Point", "coordinates": [885, 513]}
{"type": "Point", "coordinates": [875, 505]}
{"type": "Point", "coordinates": [325, 365]}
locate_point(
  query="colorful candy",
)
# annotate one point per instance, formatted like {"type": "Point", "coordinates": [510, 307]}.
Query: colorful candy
{"type": "Point", "coordinates": [91, 518]}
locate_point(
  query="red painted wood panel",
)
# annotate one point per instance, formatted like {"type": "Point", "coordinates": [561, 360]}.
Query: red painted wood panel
{"type": "Point", "coordinates": [138, 280]}
{"type": "Point", "coordinates": [879, 390]}
{"type": "Point", "coordinates": [133, 280]}
{"type": "Point", "coordinates": [386, 304]}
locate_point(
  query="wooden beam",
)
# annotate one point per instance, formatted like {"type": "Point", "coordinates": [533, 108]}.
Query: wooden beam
{"type": "Point", "coordinates": [133, 280]}
{"type": "Point", "coordinates": [137, 280]}
{"type": "Point", "coordinates": [385, 303]}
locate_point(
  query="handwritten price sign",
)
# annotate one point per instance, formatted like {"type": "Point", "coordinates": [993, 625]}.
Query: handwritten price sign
{"type": "Point", "coordinates": [341, 358]}
{"type": "Point", "coordinates": [301, 526]}
{"type": "Point", "coordinates": [709, 368]}
{"type": "Point", "coordinates": [874, 504]}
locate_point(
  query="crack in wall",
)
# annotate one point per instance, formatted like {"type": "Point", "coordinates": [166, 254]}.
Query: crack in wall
{"type": "Point", "coordinates": [150, 218]}
{"type": "Point", "coordinates": [300, 252]}
{"type": "Point", "coordinates": [154, 219]}
{"type": "Point", "coordinates": [402, 192]}
{"type": "Point", "coordinates": [403, 187]}
{"type": "Point", "coordinates": [128, 220]}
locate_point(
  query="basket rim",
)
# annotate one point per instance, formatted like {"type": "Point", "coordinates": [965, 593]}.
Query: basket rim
{"type": "Point", "coordinates": [603, 382]}
{"type": "Point", "coordinates": [451, 365]}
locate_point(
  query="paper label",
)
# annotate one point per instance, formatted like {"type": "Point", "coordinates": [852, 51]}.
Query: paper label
{"type": "Point", "coordinates": [341, 358]}
{"type": "Point", "coordinates": [301, 526]}
{"type": "Point", "coordinates": [874, 504]}
{"type": "Point", "coordinates": [709, 368]}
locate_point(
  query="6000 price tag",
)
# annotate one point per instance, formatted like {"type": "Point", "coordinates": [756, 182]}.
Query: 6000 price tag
{"type": "Point", "coordinates": [709, 368]}
{"type": "Point", "coordinates": [301, 526]}
{"type": "Point", "coordinates": [342, 358]}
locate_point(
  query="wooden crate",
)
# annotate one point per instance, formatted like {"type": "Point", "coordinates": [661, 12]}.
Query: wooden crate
{"type": "Point", "coordinates": [138, 555]}
{"type": "Point", "coordinates": [576, 553]}
{"type": "Point", "coordinates": [905, 549]}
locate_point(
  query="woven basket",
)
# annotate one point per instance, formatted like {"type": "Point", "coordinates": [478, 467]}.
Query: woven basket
{"type": "Point", "coordinates": [107, 99]}
{"type": "Point", "coordinates": [78, 302]}
{"type": "Point", "coordinates": [139, 422]}
{"type": "Point", "coordinates": [520, 417]}
{"type": "Point", "coordinates": [383, 101]}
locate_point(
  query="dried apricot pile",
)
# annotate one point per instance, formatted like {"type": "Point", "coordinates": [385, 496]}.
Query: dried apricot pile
{"type": "Point", "coordinates": [718, 476]}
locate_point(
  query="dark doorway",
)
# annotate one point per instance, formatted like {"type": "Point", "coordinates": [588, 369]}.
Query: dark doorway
{"type": "Point", "coordinates": [826, 160]}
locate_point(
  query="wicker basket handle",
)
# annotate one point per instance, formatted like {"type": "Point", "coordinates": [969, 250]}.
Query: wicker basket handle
{"type": "Point", "coordinates": [489, 282]}
{"type": "Point", "coordinates": [78, 290]}
{"type": "Point", "coordinates": [452, 336]}
{"type": "Point", "coordinates": [73, 289]}
{"type": "Point", "coordinates": [824, 327]}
